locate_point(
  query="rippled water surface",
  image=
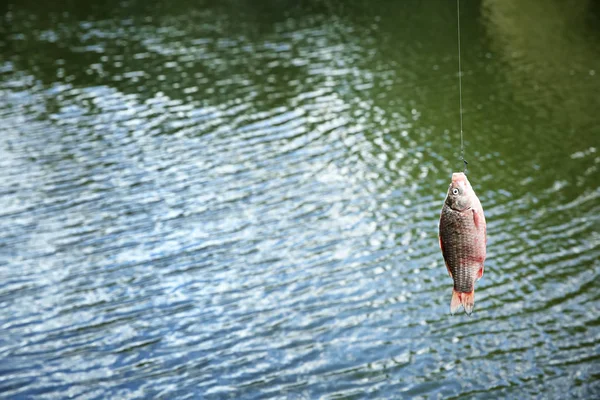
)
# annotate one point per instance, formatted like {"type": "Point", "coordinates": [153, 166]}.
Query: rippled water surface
{"type": "Point", "coordinates": [239, 199]}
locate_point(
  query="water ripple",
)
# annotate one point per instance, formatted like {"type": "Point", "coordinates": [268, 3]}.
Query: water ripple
{"type": "Point", "coordinates": [221, 202]}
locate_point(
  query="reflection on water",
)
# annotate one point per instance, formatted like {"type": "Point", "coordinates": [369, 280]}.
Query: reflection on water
{"type": "Point", "coordinates": [225, 200]}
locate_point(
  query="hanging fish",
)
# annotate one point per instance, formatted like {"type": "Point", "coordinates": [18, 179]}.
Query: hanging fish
{"type": "Point", "coordinates": [463, 240]}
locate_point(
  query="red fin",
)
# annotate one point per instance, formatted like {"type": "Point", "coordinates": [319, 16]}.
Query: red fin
{"type": "Point", "coordinates": [480, 273]}
{"type": "Point", "coordinates": [468, 301]}
{"type": "Point", "coordinates": [455, 303]}
{"type": "Point", "coordinates": [476, 218]}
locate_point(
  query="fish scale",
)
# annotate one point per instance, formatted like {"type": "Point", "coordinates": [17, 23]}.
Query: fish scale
{"type": "Point", "coordinates": [457, 234]}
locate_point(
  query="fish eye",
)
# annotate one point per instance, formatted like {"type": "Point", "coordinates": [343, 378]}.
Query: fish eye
{"type": "Point", "coordinates": [455, 191]}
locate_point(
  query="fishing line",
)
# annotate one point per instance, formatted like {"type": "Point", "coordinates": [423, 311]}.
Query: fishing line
{"type": "Point", "coordinates": [460, 109]}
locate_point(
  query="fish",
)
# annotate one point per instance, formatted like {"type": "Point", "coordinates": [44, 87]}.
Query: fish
{"type": "Point", "coordinates": [463, 241]}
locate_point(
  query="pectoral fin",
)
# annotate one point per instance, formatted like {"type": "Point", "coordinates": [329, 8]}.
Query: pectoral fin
{"type": "Point", "coordinates": [479, 221]}
{"type": "Point", "coordinates": [476, 218]}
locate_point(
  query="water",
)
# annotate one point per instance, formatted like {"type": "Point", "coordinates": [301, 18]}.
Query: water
{"type": "Point", "coordinates": [231, 200]}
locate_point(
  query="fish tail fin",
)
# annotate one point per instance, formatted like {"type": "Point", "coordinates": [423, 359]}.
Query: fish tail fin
{"type": "Point", "coordinates": [467, 300]}
{"type": "Point", "coordinates": [455, 303]}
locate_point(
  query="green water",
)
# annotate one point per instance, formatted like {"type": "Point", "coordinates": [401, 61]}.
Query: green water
{"type": "Point", "coordinates": [239, 199]}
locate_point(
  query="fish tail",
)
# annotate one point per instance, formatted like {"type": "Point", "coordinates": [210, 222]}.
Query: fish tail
{"type": "Point", "coordinates": [467, 300]}
{"type": "Point", "coordinates": [455, 303]}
